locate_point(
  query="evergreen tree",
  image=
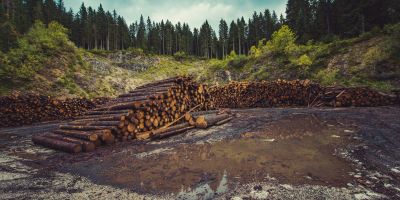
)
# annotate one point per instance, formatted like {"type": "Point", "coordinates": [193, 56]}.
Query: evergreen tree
{"type": "Point", "coordinates": [132, 34]}
{"type": "Point", "coordinates": [223, 36]}
{"type": "Point", "coordinates": [196, 45]}
{"type": "Point", "coordinates": [141, 34]}
{"type": "Point", "coordinates": [233, 33]}
{"type": "Point", "coordinates": [205, 40]}
{"type": "Point", "coordinates": [298, 15]}
{"type": "Point", "coordinates": [8, 35]}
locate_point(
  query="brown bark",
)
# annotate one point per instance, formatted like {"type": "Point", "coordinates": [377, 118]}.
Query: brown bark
{"type": "Point", "coordinates": [86, 145]}
{"type": "Point", "coordinates": [90, 136]}
{"type": "Point", "coordinates": [171, 133]}
{"type": "Point", "coordinates": [61, 145]}
{"type": "Point", "coordinates": [205, 121]}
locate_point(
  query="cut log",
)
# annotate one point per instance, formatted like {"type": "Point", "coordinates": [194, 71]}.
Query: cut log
{"type": "Point", "coordinates": [107, 112]}
{"type": "Point", "coordinates": [171, 133]}
{"type": "Point", "coordinates": [205, 121]}
{"type": "Point", "coordinates": [61, 145]}
{"type": "Point", "coordinates": [223, 121]}
{"type": "Point", "coordinates": [95, 123]}
{"type": "Point", "coordinates": [143, 135]}
{"type": "Point", "coordinates": [168, 129]}
{"type": "Point", "coordinates": [85, 128]}
{"type": "Point", "coordinates": [98, 116]}
{"type": "Point", "coordinates": [90, 136]}
{"type": "Point", "coordinates": [86, 145]}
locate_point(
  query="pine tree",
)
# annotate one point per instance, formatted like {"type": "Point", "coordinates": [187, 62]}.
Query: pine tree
{"type": "Point", "coordinates": [223, 36]}
{"type": "Point", "coordinates": [109, 23]}
{"type": "Point", "coordinates": [132, 34]}
{"type": "Point", "coordinates": [83, 31]}
{"type": "Point", "coordinates": [205, 40]}
{"type": "Point", "coordinates": [101, 26]}
{"type": "Point", "coordinates": [8, 35]}
{"type": "Point", "coordinates": [50, 11]}
{"type": "Point", "coordinates": [38, 11]}
{"type": "Point", "coordinates": [196, 46]}
{"type": "Point", "coordinates": [141, 34]}
{"type": "Point", "coordinates": [232, 37]}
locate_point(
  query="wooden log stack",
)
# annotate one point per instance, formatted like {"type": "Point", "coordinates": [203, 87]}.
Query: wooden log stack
{"type": "Point", "coordinates": [135, 115]}
{"type": "Point", "coordinates": [354, 96]}
{"type": "Point", "coordinates": [278, 93]}
{"type": "Point", "coordinates": [281, 93]}
{"type": "Point", "coordinates": [22, 109]}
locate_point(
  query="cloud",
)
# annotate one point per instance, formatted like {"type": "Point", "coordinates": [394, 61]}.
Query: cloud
{"type": "Point", "coordinates": [193, 12]}
{"type": "Point", "coordinates": [196, 14]}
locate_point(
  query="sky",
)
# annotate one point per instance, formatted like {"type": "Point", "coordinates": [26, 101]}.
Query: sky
{"type": "Point", "coordinates": [193, 12]}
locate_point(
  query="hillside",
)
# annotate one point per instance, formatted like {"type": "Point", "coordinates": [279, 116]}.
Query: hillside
{"type": "Point", "coordinates": [48, 63]}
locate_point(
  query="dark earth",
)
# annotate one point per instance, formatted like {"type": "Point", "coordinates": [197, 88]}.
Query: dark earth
{"type": "Point", "coordinates": [263, 153]}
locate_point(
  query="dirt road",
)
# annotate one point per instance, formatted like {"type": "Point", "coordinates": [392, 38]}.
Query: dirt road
{"type": "Point", "coordinates": [288, 153]}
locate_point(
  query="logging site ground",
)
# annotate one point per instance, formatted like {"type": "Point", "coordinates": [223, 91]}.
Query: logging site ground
{"type": "Point", "coordinates": [263, 153]}
{"type": "Point", "coordinates": [303, 105]}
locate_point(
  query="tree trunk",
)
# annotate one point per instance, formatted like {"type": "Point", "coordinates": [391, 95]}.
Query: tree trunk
{"type": "Point", "coordinates": [205, 121]}
{"type": "Point", "coordinates": [61, 145]}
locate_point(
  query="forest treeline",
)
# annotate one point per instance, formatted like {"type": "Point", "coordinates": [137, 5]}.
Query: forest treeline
{"type": "Point", "coordinates": [96, 28]}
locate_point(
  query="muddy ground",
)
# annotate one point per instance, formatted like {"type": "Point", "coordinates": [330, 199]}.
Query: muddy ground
{"type": "Point", "coordinates": [288, 153]}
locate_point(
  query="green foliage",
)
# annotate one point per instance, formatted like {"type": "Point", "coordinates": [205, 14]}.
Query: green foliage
{"type": "Point", "coordinates": [304, 61]}
{"type": "Point", "coordinates": [394, 44]}
{"type": "Point", "coordinates": [180, 55]}
{"type": "Point", "coordinates": [235, 61]}
{"type": "Point", "coordinates": [238, 61]}
{"type": "Point", "coordinates": [68, 83]}
{"type": "Point", "coordinates": [327, 76]}
{"type": "Point", "coordinates": [35, 49]}
{"type": "Point", "coordinates": [136, 51]}
{"type": "Point", "coordinates": [99, 52]}
{"type": "Point", "coordinates": [374, 56]}
{"type": "Point", "coordinates": [232, 55]}
{"type": "Point", "coordinates": [254, 52]}
{"type": "Point", "coordinates": [283, 41]}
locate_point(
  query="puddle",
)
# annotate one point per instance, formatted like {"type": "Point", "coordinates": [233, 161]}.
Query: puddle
{"type": "Point", "coordinates": [295, 150]}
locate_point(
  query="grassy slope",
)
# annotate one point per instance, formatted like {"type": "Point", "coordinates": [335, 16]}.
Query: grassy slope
{"type": "Point", "coordinates": [344, 62]}
{"type": "Point", "coordinates": [354, 62]}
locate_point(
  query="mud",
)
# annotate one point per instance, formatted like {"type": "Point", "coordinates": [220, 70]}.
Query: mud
{"type": "Point", "coordinates": [349, 153]}
{"type": "Point", "coordinates": [295, 150]}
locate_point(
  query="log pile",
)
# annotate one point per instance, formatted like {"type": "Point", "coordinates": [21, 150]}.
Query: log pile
{"type": "Point", "coordinates": [354, 96]}
{"type": "Point", "coordinates": [278, 93]}
{"type": "Point", "coordinates": [175, 105]}
{"type": "Point", "coordinates": [283, 93]}
{"type": "Point", "coordinates": [22, 109]}
{"type": "Point", "coordinates": [152, 111]}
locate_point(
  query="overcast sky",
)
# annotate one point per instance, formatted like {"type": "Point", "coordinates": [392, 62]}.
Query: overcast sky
{"type": "Point", "coordinates": [193, 12]}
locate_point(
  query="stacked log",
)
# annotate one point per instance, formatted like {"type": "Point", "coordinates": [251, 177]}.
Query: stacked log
{"type": "Point", "coordinates": [283, 93]}
{"type": "Point", "coordinates": [160, 105]}
{"type": "Point", "coordinates": [157, 105]}
{"type": "Point", "coordinates": [22, 109]}
{"type": "Point", "coordinates": [354, 96]}
{"type": "Point", "coordinates": [201, 119]}
{"type": "Point", "coordinates": [278, 93]}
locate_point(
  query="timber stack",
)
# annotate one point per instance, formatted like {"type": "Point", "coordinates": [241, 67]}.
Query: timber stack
{"type": "Point", "coordinates": [281, 93]}
{"type": "Point", "coordinates": [152, 111]}
{"type": "Point", "coordinates": [22, 109]}
{"type": "Point", "coordinates": [354, 96]}
{"type": "Point", "coordinates": [278, 93]}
